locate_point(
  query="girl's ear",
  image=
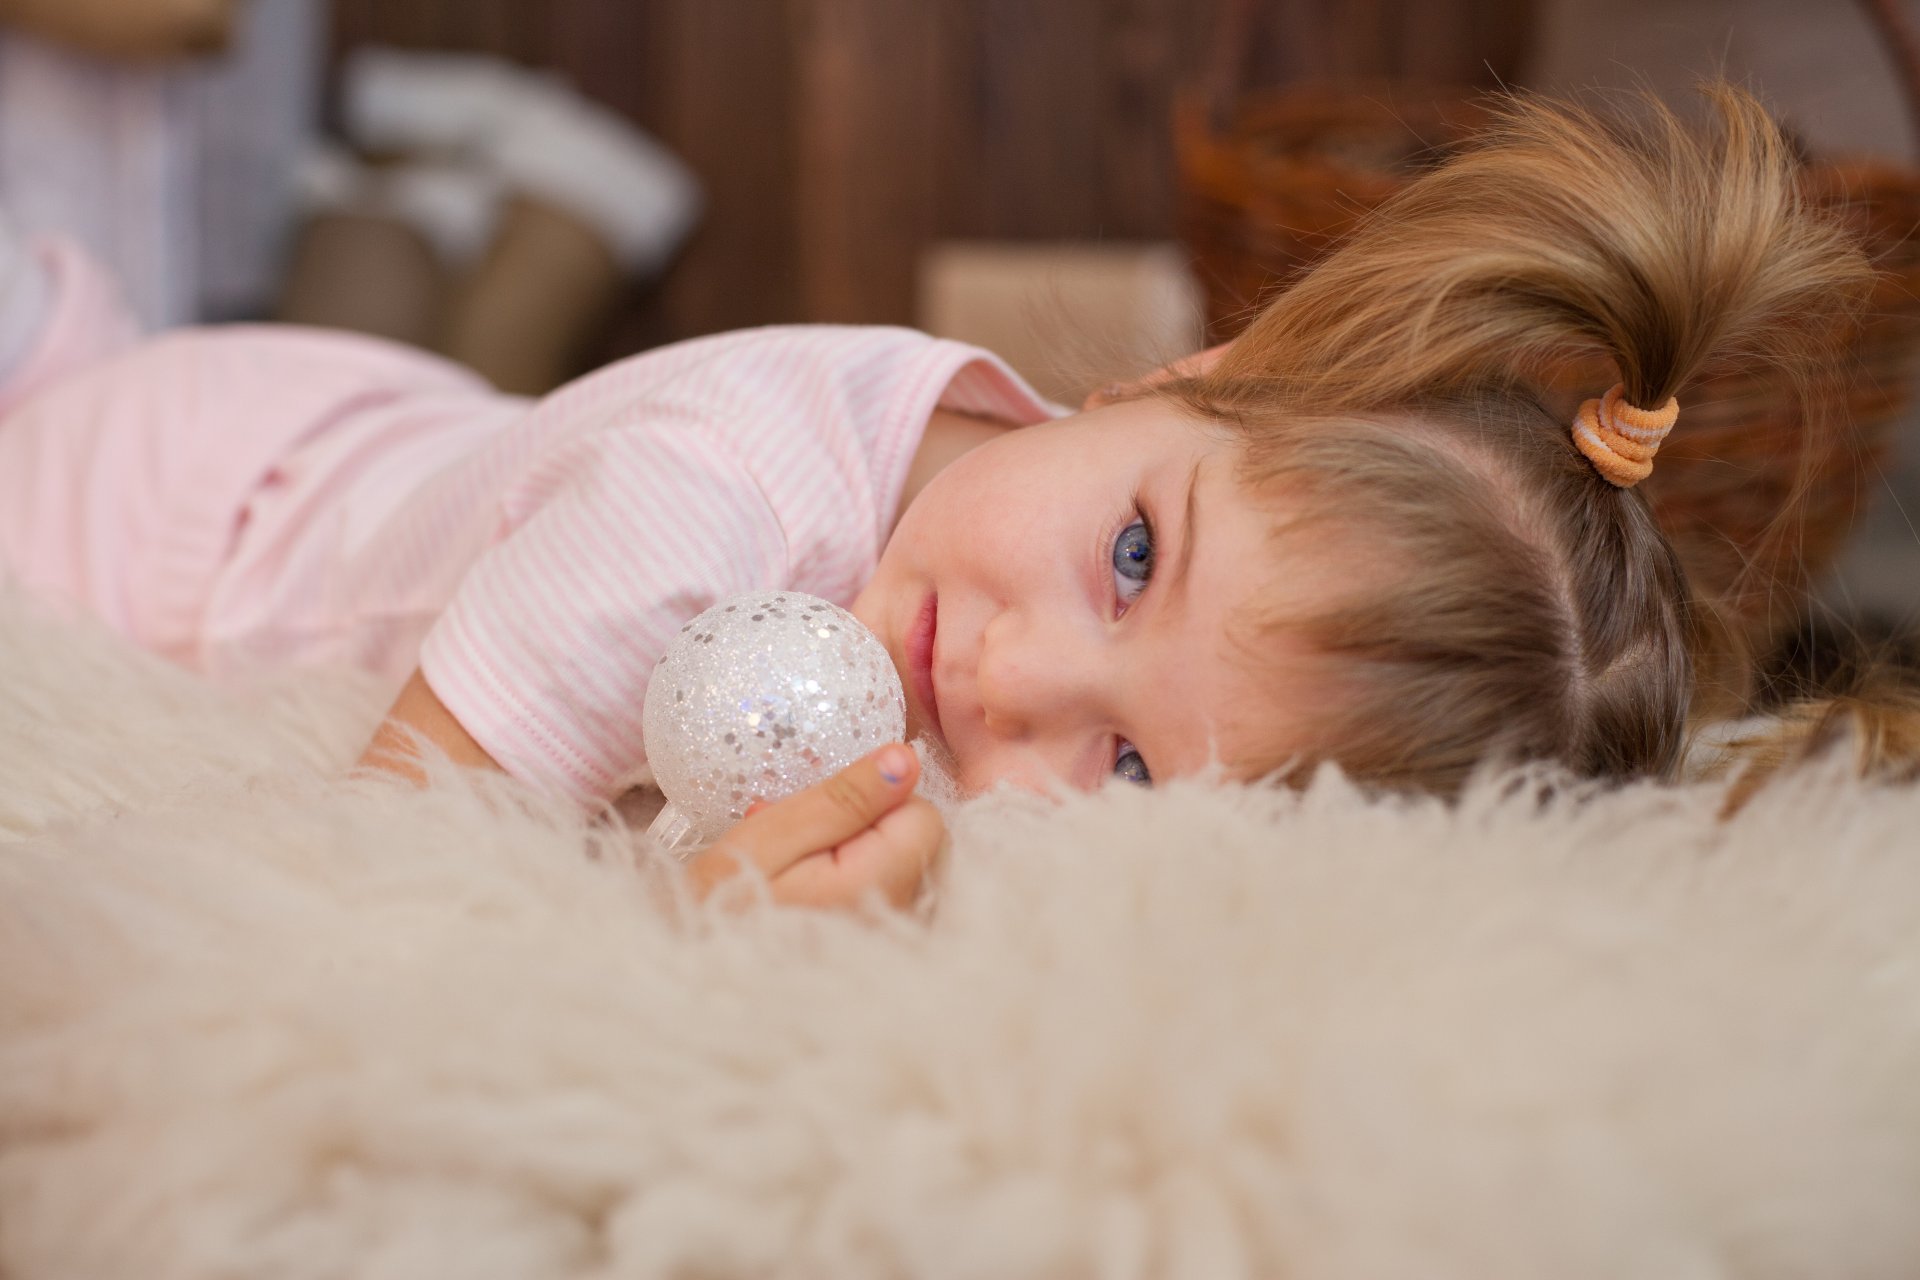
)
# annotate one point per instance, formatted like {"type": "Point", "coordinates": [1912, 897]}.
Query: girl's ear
{"type": "Point", "coordinates": [1185, 367]}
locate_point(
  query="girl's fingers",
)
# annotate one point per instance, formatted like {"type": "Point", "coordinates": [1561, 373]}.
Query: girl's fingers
{"type": "Point", "coordinates": [825, 815]}
{"type": "Point", "coordinates": [844, 805]}
{"type": "Point", "coordinates": [894, 857]}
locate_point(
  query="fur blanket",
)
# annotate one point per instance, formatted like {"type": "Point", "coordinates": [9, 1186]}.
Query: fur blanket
{"type": "Point", "coordinates": [259, 1022]}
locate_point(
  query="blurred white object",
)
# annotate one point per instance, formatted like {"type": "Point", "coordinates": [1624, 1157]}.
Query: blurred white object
{"type": "Point", "coordinates": [531, 132]}
{"type": "Point", "coordinates": [454, 204]}
{"type": "Point", "coordinates": [433, 103]}
{"type": "Point", "coordinates": [611, 176]}
{"type": "Point", "coordinates": [1068, 316]}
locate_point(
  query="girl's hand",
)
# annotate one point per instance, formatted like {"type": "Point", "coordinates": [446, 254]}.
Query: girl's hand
{"type": "Point", "coordinates": [862, 829]}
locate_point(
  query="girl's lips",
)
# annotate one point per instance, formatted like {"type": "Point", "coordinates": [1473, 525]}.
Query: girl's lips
{"type": "Point", "coordinates": [919, 657]}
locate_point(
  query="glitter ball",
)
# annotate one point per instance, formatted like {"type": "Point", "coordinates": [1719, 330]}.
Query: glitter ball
{"type": "Point", "coordinates": [782, 688]}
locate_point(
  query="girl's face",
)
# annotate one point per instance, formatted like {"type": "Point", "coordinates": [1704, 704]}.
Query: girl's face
{"type": "Point", "coordinates": [1062, 603]}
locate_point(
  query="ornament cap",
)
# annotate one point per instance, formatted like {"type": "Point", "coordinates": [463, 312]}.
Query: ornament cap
{"type": "Point", "coordinates": [673, 829]}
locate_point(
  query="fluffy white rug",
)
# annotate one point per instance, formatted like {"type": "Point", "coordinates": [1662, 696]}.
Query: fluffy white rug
{"type": "Point", "coordinates": [257, 1022]}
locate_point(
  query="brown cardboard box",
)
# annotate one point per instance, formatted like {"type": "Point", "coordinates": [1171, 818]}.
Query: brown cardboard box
{"type": "Point", "coordinates": [1068, 316]}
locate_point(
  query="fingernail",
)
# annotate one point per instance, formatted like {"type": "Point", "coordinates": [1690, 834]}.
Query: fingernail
{"type": "Point", "coordinates": [895, 761]}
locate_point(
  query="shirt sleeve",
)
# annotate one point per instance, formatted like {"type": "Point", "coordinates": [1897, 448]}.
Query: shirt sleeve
{"type": "Point", "coordinates": [608, 547]}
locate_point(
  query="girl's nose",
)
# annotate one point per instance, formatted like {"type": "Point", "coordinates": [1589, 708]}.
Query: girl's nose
{"type": "Point", "coordinates": [1039, 677]}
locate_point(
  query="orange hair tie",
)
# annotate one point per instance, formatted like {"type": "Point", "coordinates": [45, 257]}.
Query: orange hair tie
{"type": "Point", "coordinates": [1621, 440]}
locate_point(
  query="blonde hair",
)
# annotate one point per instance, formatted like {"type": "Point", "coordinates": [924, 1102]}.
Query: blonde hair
{"type": "Point", "coordinates": [1408, 392]}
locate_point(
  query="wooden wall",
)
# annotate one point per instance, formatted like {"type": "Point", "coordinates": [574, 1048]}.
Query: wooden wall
{"type": "Point", "coordinates": [837, 137]}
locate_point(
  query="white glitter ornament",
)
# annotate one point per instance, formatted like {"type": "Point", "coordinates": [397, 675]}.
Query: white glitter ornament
{"type": "Point", "coordinates": [757, 698]}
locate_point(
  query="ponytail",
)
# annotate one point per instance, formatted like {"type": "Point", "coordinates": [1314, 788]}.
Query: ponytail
{"type": "Point", "coordinates": [1559, 236]}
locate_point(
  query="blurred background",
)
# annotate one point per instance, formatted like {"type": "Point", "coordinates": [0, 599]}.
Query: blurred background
{"type": "Point", "coordinates": [538, 186]}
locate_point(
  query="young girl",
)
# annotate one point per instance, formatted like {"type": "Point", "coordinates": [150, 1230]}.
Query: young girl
{"type": "Point", "coordinates": [1357, 535]}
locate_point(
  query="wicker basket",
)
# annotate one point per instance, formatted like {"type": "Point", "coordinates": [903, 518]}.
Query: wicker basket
{"type": "Point", "coordinates": [1756, 506]}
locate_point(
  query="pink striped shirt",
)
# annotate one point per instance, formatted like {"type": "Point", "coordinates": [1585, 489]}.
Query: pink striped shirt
{"type": "Point", "coordinates": [579, 538]}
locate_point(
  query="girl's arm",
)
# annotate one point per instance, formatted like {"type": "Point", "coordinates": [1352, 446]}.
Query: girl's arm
{"type": "Point", "coordinates": [861, 832]}
{"type": "Point", "coordinates": [418, 715]}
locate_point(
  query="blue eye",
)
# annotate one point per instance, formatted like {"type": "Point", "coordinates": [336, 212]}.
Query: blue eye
{"type": "Point", "coordinates": [1132, 560]}
{"type": "Point", "coordinates": [1130, 767]}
